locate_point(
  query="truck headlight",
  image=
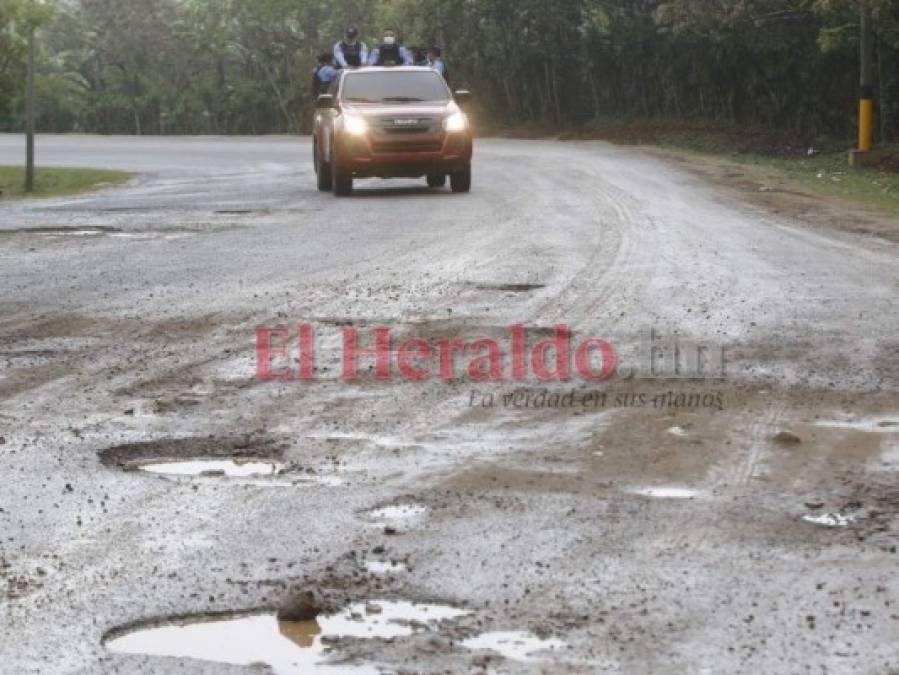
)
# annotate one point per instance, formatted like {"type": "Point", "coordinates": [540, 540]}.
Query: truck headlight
{"type": "Point", "coordinates": [455, 122]}
{"type": "Point", "coordinates": [354, 125]}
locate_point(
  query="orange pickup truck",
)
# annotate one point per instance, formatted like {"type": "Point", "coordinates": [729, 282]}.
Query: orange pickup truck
{"type": "Point", "coordinates": [391, 122]}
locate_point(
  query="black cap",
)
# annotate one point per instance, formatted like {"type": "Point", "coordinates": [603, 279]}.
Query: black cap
{"type": "Point", "coordinates": [352, 32]}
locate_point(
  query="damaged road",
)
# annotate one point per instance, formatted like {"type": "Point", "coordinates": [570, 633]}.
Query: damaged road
{"type": "Point", "coordinates": [740, 522]}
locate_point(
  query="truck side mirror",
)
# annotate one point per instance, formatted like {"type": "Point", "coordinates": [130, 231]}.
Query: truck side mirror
{"type": "Point", "coordinates": [324, 102]}
{"type": "Point", "coordinates": [462, 96]}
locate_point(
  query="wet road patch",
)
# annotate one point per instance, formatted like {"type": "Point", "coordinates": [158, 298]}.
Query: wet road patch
{"type": "Point", "coordinates": [385, 567]}
{"type": "Point", "coordinates": [510, 288]}
{"type": "Point", "coordinates": [229, 468]}
{"type": "Point", "coordinates": [195, 457]}
{"type": "Point", "coordinates": [398, 512]}
{"type": "Point", "coordinates": [514, 645]}
{"type": "Point", "coordinates": [287, 647]}
{"type": "Point", "coordinates": [240, 461]}
{"type": "Point", "coordinates": [667, 492]}
{"type": "Point", "coordinates": [873, 425]}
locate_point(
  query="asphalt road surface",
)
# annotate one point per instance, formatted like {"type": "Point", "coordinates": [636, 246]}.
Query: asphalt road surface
{"type": "Point", "coordinates": [741, 520]}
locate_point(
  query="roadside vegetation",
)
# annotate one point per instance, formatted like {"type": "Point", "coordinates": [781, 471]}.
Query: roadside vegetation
{"type": "Point", "coordinates": [818, 165]}
{"type": "Point", "coordinates": [49, 182]}
{"type": "Point", "coordinates": [226, 66]}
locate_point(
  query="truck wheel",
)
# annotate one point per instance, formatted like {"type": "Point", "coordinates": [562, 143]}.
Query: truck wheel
{"type": "Point", "coordinates": [460, 181]}
{"type": "Point", "coordinates": [341, 181]}
{"type": "Point", "coordinates": [436, 180]}
{"type": "Point", "coordinates": [322, 172]}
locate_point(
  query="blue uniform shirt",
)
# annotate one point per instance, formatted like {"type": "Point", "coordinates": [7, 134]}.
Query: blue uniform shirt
{"type": "Point", "coordinates": [438, 65]}
{"type": "Point", "coordinates": [341, 61]}
{"type": "Point", "coordinates": [326, 73]}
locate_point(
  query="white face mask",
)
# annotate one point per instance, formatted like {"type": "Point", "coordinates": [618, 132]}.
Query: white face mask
{"type": "Point", "coordinates": [389, 40]}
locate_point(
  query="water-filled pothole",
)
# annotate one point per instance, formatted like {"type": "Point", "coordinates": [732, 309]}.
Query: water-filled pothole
{"type": "Point", "coordinates": [830, 519]}
{"type": "Point", "coordinates": [664, 492]}
{"type": "Point", "coordinates": [287, 647]}
{"type": "Point", "coordinates": [398, 512]}
{"type": "Point", "coordinates": [231, 468]}
{"type": "Point", "coordinates": [514, 645]}
{"type": "Point", "coordinates": [249, 461]}
{"type": "Point", "coordinates": [874, 425]}
{"type": "Point", "coordinates": [385, 567]}
{"type": "Point", "coordinates": [510, 288]}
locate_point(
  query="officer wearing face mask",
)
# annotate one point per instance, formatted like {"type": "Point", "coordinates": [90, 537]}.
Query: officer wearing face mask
{"type": "Point", "coordinates": [350, 52]}
{"type": "Point", "coordinates": [390, 52]}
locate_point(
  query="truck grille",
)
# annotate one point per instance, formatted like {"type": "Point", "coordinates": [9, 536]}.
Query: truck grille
{"type": "Point", "coordinates": [405, 125]}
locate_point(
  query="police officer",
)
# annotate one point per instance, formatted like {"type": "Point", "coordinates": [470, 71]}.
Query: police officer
{"type": "Point", "coordinates": [435, 61]}
{"type": "Point", "coordinates": [322, 75]}
{"type": "Point", "coordinates": [350, 52]}
{"type": "Point", "coordinates": [390, 52]}
{"type": "Point", "coordinates": [419, 58]}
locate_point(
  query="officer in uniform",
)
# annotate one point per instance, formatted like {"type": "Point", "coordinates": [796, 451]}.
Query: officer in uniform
{"type": "Point", "coordinates": [435, 61]}
{"type": "Point", "coordinates": [322, 75]}
{"type": "Point", "coordinates": [390, 52]}
{"type": "Point", "coordinates": [350, 52]}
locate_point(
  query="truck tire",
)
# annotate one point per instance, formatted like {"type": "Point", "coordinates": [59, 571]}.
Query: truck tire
{"type": "Point", "coordinates": [322, 172]}
{"type": "Point", "coordinates": [341, 181]}
{"type": "Point", "coordinates": [436, 180]}
{"type": "Point", "coordinates": [460, 181]}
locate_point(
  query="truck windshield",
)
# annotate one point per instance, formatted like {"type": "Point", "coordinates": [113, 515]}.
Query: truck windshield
{"type": "Point", "coordinates": [397, 87]}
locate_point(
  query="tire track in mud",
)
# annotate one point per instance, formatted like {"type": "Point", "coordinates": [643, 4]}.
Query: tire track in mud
{"type": "Point", "coordinates": [756, 438]}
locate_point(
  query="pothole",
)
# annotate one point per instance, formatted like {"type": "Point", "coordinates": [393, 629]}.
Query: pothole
{"type": "Point", "coordinates": [287, 647]}
{"type": "Point", "coordinates": [244, 460]}
{"type": "Point", "coordinates": [385, 567]}
{"type": "Point", "coordinates": [510, 288]}
{"type": "Point", "coordinates": [875, 425]}
{"type": "Point", "coordinates": [83, 231]}
{"type": "Point", "coordinates": [406, 511]}
{"type": "Point", "coordinates": [397, 517]}
{"type": "Point", "coordinates": [230, 468]}
{"type": "Point", "coordinates": [668, 492]}
{"type": "Point", "coordinates": [514, 645]}
{"type": "Point", "coordinates": [830, 519]}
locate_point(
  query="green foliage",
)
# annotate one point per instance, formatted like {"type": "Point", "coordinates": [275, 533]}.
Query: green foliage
{"type": "Point", "coordinates": [242, 66]}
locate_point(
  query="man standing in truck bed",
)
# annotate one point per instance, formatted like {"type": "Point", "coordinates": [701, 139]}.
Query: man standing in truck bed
{"type": "Point", "coordinates": [350, 52]}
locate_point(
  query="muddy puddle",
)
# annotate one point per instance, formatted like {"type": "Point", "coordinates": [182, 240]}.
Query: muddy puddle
{"type": "Point", "coordinates": [288, 648]}
{"type": "Point", "coordinates": [515, 645]}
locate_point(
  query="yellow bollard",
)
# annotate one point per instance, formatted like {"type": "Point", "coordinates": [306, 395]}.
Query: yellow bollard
{"type": "Point", "coordinates": [865, 124]}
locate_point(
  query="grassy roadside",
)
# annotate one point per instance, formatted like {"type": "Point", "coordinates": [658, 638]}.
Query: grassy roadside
{"type": "Point", "coordinates": [827, 174]}
{"type": "Point", "coordinates": [818, 166]}
{"type": "Point", "coordinates": [50, 182]}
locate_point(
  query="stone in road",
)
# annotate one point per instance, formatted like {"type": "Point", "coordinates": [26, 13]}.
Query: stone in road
{"type": "Point", "coordinates": [664, 530]}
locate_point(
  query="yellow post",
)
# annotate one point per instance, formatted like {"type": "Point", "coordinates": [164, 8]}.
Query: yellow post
{"type": "Point", "coordinates": [866, 93]}
{"type": "Point", "coordinates": [865, 124]}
